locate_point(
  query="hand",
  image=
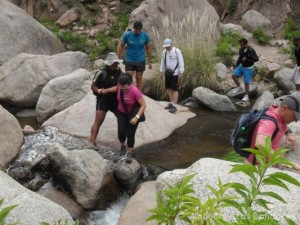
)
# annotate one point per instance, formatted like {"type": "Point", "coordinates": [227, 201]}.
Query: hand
{"type": "Point", "coordinates": [180, 78]}
{"type": "Point", "coordinates": [105, 91]}
{"type": "Point", "coordinates": [149, 66]}
{"type": "Point", "coordinates": [99, 90]}
{"type": "Point", "coordinates": [296, 167]}
{"type": "Point", "coordinates": [244, 59]}
{"type": "Point", "coordinates": [290, 139]}
{"type": "Point", "coordinates": [133, 121]}
{"type": "Point", "coordinates": [161, 76]}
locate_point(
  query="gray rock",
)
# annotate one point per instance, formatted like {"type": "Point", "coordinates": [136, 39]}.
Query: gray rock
{"type": "Point", "coordinates": [11, 138]}
{"type": "Point", "coordinates": [20, 33]}
{"type": "Point", "coordinates": [32, 208]}
{"type": "Point", "coordinates": [212, 100]}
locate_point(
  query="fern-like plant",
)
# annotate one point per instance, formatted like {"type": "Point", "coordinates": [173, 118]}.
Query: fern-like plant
{"type": "Point", "coordinates": [178, 202]}
{"type": "Point", "coordinates": [4, 212]}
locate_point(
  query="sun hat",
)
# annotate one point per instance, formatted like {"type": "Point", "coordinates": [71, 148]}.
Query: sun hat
{"type": "Point", "coordinates": [137, 25]}
{"type": "Point", "coordinates": [111, 59]}
{"type": "Point", "coordinates": [167, 43]}
{"type": "Point", "coordinates": [293, 102]}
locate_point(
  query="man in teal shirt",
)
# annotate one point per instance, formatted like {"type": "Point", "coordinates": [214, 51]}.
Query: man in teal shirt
{"type": "Point", "coordinates": [136, 42]}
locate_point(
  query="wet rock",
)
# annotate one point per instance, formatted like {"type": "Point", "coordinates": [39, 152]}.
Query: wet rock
{"type": "Point", "coordinates": [20, 174]}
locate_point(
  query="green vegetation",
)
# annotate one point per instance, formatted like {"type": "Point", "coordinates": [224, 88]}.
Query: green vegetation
{"type": "Point", "coordinates": [231, 6]}
{"type": "Point", "coordinates": [251, 203]}
{"type": "Point", "coordinates": [4, 212]}
{"type": "Point", "coordinates": [291, 29]}
{"type": "Point", "coordinates": [261, 36]}
{"type": "Point", "coordinates": [195, 36]}
{"type": "Point", "coordinates": [60, 222]}
{"type": "Point", "coordinates": [228, 40]}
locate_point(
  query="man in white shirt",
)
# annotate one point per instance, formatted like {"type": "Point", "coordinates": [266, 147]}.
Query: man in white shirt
{"type": "Point", "coordinates": [172, 66]}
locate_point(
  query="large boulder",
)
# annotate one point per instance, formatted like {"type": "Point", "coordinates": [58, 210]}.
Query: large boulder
{"type": "Point", "coordinates": [20, 33]}
{"type": "Point", "coordinates": [85, 174]}
{"type": "Point", "coordinates": [62, 92]}
{"type": "Point", "coordinates": [151, 12]}
{"type": "Point", "coordinates": [213, 100]}
{"type": "Point", "coordinates": [11, 138]}
{"type": "Point", "coordinates": [24, 76]}
{"type": "Point", "coordinates": [208, 171]}
{"type": "Point", "coordinates": [32, 208]}
{"type": "Point", "coordinates": [79, 118]}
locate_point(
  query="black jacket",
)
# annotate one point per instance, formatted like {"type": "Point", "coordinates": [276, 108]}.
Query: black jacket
{"type": "Point", "coordinates": [251, 57]}
{"type": "Point", "coordinates": [297, 54]}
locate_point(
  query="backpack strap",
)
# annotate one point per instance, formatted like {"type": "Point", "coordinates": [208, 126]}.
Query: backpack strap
{"type": "Point", "coordinates": [265, 116]}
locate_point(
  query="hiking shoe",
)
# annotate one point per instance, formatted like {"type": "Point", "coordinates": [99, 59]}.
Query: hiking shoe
{"type": "Point", "coordinates": [129, 157]}
{"type": "Point", "coordinates": [123, 149]}
{"type": "Point", "coordinates": [93, 146]}
{"type": "Point", "coordinates": [169, 106]}
{"type": "Point", "coordinates": [237, 90]}
{"type": "Point", "coordinates": [173, 109]}
{"type": "Point", "coordinates": [245, 98]}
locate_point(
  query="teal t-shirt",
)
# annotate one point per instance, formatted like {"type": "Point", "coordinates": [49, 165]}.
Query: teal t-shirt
{"type": "Point", "coordinates": [135, 49]}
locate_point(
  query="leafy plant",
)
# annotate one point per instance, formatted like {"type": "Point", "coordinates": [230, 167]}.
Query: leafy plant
{"type": "Point", "coordinates": [251, 202]}
{"type": "Point", "coordinates": [291, 29]}
{"type": "Point", "coordinates": [4, 212]}
{"type": "Point", "coordinates": [231, 6]}
{"type": "Point", "coordinates": [228, 40]}
{"type": "Point", "coordinates": [261, 36]}
{"type": "Point", "coordinates": [60, 222]}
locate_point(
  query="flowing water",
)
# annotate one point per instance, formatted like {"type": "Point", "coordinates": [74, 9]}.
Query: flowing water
{"type": "Point", "coordinates": [206, 135]}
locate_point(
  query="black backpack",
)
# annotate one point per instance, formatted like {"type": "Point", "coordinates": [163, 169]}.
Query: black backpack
{"type": "Point", "coordinates": [100, 74]}
{"type": "Point", "coordinates": [243, 129]}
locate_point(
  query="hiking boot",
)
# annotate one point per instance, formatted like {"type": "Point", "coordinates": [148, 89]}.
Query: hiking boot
{"type": "Point", "coordinates": [173, 109]}
{"type": "Point", "coordinates": [245, 98]}
{"type": "Point", "coordinates": [93, 146]}
{"type": "Point", "coordinates": [123, 149]}
{"type": "Point", "coordinates": [129, 157]}
{"type": "Point", "coordinates": [169, 106]}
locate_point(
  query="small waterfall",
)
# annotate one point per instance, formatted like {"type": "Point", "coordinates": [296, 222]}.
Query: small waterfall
{"type": "Point", "coordinates": [109, 216]}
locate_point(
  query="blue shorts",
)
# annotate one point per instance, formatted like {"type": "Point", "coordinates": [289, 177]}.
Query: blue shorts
{"type": "Point", "coordinates": [242, 71]}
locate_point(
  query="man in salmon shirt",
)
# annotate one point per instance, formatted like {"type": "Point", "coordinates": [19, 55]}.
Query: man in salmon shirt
{"type": "Point", "coordinates": [288, 111]}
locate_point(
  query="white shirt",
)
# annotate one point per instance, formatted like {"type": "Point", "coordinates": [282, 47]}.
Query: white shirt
{"type": "Point", "coordinates": [172, 58]}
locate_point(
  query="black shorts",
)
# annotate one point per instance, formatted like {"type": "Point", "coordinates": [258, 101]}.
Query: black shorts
{"type": "Point", "coordinates": [135, 66]}
{"type": "Point", "coordinates": [172, 83]}
{"type": "Point", "coordinates": [105, 106]}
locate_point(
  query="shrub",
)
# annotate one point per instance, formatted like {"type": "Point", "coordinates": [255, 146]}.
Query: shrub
{"type": "Point", "coordinates": [4, 212]}
{"type": "Point", "coordinates": [261, 36]}
{"type": "Point", "coordinates": [291, 29]}
{"type": "Point", "coordinates": [195, 35]}
{"type": "Point", "coordinates": [227, 41]}
{"type": "Point", "coordinates": [177, 202]}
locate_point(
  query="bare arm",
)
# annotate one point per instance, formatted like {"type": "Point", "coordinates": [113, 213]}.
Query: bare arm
{"type": "Point", "coordinates": [149, 54]}
{"type": "Point", "coordinates": [95, 88]}
{"type": "Point", "coordinates": [142, 108]}
{"type": "Point", "coordinates": [120, 48]}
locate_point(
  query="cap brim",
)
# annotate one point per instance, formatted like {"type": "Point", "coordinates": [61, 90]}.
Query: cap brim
{"type": "Point", "coordinates": [297, 114]}
{"type": "Point", "coordinates": [166, 45]}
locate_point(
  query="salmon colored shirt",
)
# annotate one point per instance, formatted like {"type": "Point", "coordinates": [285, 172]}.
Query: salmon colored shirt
{"type": "Point", "coordinates": [268, 127]}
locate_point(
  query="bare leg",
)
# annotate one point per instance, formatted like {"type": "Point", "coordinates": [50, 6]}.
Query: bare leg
{"type": "Point", "coordinates": [175, 96]}
{"type": "Point", "coordinates": [139, 80]}
{"type": "Point", "coordinates": [246, 89]}
{"type": "Point", "coordinates": [236, 80]}
{"type": "Point", "coordinates": [99, 118]}
{"type": "Point", "coordinates": [169, 91]}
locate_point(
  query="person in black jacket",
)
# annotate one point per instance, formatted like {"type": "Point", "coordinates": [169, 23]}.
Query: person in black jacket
{"type": "Point", "coordinates": [244, 66]}
{"type": "Point", "coordinates": [296, 73]}
{"type": "Point", "coordinates": [104, 79]}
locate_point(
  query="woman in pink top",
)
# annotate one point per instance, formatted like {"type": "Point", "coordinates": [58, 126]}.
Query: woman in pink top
{"type": "Point", "coordinates": [126, 126]}
{"type": "Point", "coordinates": [288, 111]}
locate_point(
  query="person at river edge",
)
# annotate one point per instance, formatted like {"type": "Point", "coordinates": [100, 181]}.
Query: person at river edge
{"type": "Point", "coordinates": [128, 96]}
{"type": "Point", "coordinates": [296, 73]}
{"type": "Point", "coordinates": [171, 68]}
{"type": "Point", "coordinates": [104, 79]}
{"type": "Point", "coordinates": [244, 67]}
{"type": "Point", "coordinates": [136, 42]}
{"type": "Point", "coordinates": [286, 112]}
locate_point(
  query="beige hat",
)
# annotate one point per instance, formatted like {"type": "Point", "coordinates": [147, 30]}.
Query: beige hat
{"type": "Point", "coordinates": [111, 59]}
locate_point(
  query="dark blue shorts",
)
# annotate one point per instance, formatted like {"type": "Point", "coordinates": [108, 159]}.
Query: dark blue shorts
{"type": "Point", "coordinates": [135, 66]}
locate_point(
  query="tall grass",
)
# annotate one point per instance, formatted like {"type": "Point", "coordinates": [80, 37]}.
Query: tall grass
{"type": "Point", "coordinates": [195, 35]}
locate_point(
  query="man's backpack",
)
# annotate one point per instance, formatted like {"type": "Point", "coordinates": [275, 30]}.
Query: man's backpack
{"type": "Point", "coordinates": [100, 74]}
{"type": "Point", "coordinates": [243, 129]}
